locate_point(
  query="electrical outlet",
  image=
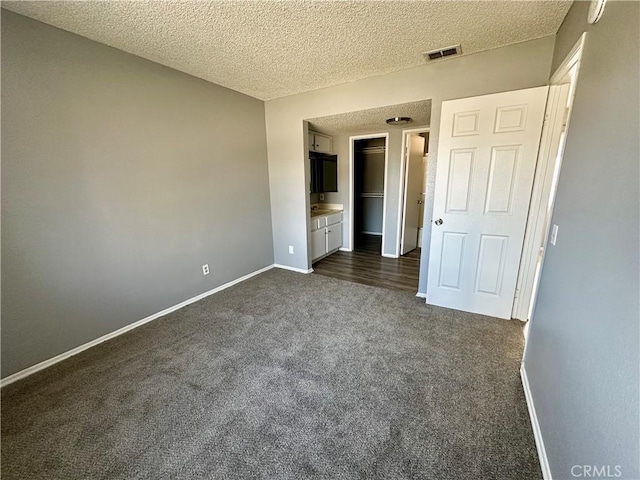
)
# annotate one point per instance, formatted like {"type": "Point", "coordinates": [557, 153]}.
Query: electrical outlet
{"type": "Point", "coordinates": [322, 196]}
{"type": "Point", "coordinates": [205, 269]}
{"type": "Point", "coordinates": [554, 234]}
{"type": "Point", "coordinates": [290, 249]}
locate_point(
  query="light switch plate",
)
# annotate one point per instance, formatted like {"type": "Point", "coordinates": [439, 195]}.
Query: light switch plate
{"type": "Point", "coordinates": [554, 234]}
{"type": "Point", "coordinates": [290, 249]}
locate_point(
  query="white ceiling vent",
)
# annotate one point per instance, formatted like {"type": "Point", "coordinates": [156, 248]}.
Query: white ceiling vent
{"type": "Point", "coordinates": [442, 53]}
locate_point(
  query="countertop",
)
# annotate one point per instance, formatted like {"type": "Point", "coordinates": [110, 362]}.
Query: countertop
{"type": "Point", "coordinates": [324, 211]}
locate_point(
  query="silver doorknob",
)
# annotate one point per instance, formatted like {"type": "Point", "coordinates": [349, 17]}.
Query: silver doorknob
{"type": "Point", "coordinates": [438, 221]}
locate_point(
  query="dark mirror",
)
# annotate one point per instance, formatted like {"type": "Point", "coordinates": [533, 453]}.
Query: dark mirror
{"type": "Point", "coordinates": [324, 172]}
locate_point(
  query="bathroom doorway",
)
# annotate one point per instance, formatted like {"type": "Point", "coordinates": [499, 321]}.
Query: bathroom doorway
{"type": "Point", "coordinates": [413, 189]}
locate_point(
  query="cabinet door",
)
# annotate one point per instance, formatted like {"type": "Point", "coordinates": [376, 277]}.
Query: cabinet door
{"type": "Point", "coordinates": [312, 142]}
{"type": "Point", "coordinates": [334, 237]}
{"type": "Point", "coordinates": [323, 143]}
{"type": "Point", "coordinates": [318, 243]}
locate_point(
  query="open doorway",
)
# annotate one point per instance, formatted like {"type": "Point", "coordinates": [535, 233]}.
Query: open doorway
{"type": "Point", "coordinates": [369, 165]}
{"type": "Point", "coordinates": [366, 204]}
{"type": "Point", "coordinates": [413, 190]}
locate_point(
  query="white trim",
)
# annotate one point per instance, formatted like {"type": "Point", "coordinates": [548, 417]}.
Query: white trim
{"type": "Point", "coordinates": [389, 255]}
{"type": "Point", "coordinates": [421, 295]}
{"type": "Point", "coordinates": [534, 235]}
{"type": "Point", "coordinates": [345, 249]}
{"type": "Point", "coordinates": [74, 351]}
{"type": "Point", "coordinates": [351, 202]}
{"type": "Point", "coordinates": [385, 191]}
{"type": "Point", "coordinates": [352, 223]}
{"type": "Point", "coordinates": [402, 197]}
{"type": "Point", "coordinates": [547, 171]}
{"type": "Point", "coordinates": [293, 269]}
{"type": "Point", "coordinates": [525, 330]}
{"type": "Point", "coordinates": [569, 61]}
{"type": "Point", "coordinates": [537, 433]}
{"type": "Point", "coordinates": [377, 234]}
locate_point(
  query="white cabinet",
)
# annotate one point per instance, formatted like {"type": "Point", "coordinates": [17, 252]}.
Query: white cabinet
{"type": "Point", "coordinates": [334, 237]}
{"type": "Point", "coordinates": [326, 234]}
{"type": "Point", "coordinates": [323, 143]}
{"type": "Point", "coordinates": [320, 143]}
{"type": "Point", "coordinates": [318, 243]}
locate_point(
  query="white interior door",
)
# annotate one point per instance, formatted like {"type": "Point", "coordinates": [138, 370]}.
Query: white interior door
{"type": "Point", "coordinates": [487, 154]}
{"type": "Point", "coordinates": [412, 197]}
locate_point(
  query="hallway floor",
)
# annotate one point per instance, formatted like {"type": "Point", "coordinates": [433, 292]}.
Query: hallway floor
{"type": "Point", "coordinates": [365, 265]}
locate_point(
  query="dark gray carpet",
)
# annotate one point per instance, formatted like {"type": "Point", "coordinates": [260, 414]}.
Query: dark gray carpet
{"type": "Point", "coordinates": [285, 376]}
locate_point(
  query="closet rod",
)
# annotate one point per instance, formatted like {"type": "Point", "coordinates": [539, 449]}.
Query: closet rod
{"type": "Point", "coordinates": [369, 150]}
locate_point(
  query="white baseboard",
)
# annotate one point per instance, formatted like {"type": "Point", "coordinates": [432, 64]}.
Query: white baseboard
{"type": "Point", "coordinates": [389, 255]}
{"type": "Point", "coordinates": [293, 269]}
{"type": "Point", "coordinates": [421, 295]}
{"type": "Point", "coordinates": [345, 249]}
{"type": "Point", "coordinates": [537, 434]}
{"type": "Point", "coordinates": [377, 234]}
{"type": "Point", "coordinates": [70, 353]}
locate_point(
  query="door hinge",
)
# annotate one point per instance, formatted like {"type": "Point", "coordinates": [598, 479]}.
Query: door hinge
{"type": "Point", "coordinates": [565, 119]}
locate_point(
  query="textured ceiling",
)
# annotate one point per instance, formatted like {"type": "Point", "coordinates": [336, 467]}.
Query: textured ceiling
{"type": "Point", "coordinates": [270, 49]}
{"type": "Point", "coordinates": [365, 121]}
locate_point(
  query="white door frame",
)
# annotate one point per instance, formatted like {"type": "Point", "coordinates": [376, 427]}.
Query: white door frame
{"type": "Point", "coordinates": [402, 199]}
{"type": "Point", "coordinates": [539, 219]}
{"type": "Point", "coordinates": [352, 222]}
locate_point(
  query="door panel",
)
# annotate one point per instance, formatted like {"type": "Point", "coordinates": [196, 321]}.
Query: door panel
{"type": "Point", "coordinates": [502, 175]}
{"type": "Point", "coordinates": [465, 123]}
{"type": "Point", "coordinates": [486, 163]}
{"type": "Point", "coordinates": [460, 176]}
{"type": "Point", "coordinates": [452, 256]}
{"type": "Point", "coordinates": [412, 196]}
{"type": "Point", "coordinates": [490, 264]}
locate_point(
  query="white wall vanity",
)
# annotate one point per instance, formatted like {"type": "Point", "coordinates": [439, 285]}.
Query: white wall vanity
{"type": "Point", "coordinates": [326, 233]}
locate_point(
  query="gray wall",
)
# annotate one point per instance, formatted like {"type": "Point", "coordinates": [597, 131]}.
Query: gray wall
{"type": "Point", "coordinates": [120, 178]}
{"type": "Point", "coordinates": [582, 354]}
{"type": "Point", "coordinates": [372, 210]}
{"type": "Point", "coordinates": [517, 66]}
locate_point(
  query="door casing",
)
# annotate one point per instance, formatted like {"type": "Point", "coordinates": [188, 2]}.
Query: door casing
{"type": "Point", "coordinates": [352, 223]}
{"type": "Point", "coordinates": [539, 221]}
